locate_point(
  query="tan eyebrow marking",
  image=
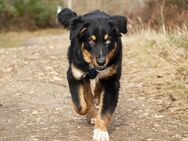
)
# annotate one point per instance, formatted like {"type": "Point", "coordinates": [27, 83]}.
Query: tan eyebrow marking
{"type": "Point", "coordinates": [93, 37]}
{"type": "Point", "coordinates": [106, 37]}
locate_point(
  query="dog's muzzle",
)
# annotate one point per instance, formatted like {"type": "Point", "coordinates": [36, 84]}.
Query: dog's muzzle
{"type": "Point", "coordinates": [100, 63]}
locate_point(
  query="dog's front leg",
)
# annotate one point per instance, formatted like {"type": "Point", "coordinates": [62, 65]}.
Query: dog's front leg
{"type": "Point", "coordinates": [108, 102]}
{"type": "Point", "coordinates": [82, 98]}
{"type": "Point", "coordinates": [77, 92]}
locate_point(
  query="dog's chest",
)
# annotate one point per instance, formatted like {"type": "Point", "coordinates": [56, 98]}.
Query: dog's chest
{"type": "Point", "coordinates": [92, 73]}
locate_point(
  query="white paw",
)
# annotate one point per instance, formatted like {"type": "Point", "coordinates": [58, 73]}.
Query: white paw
{"type": "Point", "coordinates": [100, 135]}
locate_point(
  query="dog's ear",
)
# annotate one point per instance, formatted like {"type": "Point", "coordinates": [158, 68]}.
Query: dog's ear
{"type": "Point", "coordinates": [77, 26]}
{"type": "Point", "coordinates": [64, 17]}
{"type": "Point", "coordinates": [120, 23]}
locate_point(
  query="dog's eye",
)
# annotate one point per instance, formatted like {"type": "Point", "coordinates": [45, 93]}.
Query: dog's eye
{"type": "Point", "coordinates": [107, 42]}
{"type": "Point", "coordinates": [92, 43]}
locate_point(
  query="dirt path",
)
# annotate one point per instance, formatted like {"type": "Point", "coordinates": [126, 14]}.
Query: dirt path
{"type": "Point", "coordinates": [35, 102]}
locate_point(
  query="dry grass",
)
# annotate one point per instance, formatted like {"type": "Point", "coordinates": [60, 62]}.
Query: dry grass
{"type": "Point", "coordinates": [171, 48]}
{"type": "Point", "coordinates": [18, 39]}
{"type": "Point", "coordinates": [12, 39]}
{"type": "Point", "coordinates": [160, 64]}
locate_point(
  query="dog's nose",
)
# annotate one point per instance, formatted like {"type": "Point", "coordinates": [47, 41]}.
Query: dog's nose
{"type": "Point", "coordinates": [101, 61]}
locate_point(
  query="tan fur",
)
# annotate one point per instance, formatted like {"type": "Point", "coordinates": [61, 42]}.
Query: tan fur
{"type": "Point", "coordinates": [86, 55]}
{"type": "Point", "coordinates": [110, 71]}
{"type": "Point", "coordinates": [111, 54]}
{"type": "Point", "coordinates": [82, 98]}
{"type": "Point", "coordinates": [86, 99]}
{"type": "Point", "coordinates": [93, 37]}
{"type": "Point", "coordinates": [97, 92]}
{"type": "Point", "coordinates": [90, 101]}
{"type": "Point", "coordinates": [83, 104]}
{"type": "Point", "coordinates": [106, 37]}
{"type": "Point", "coordinates": [102, 121]}
{"type": "Point", "coordinates": [101, 102]}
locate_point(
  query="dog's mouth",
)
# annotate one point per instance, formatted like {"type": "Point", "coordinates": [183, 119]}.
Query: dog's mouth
{"type": "Point", "coordinates": [100, 65]}
{"type": "Point", "coordinates": [100, 68]}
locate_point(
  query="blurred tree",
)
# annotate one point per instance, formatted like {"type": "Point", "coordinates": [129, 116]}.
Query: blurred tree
{"type": "Point", "coordinates": [2, 5]}
{"type": "Point", "coordinates": [42, 13]}
{"type": "Point", "coordinates": [30, 13]}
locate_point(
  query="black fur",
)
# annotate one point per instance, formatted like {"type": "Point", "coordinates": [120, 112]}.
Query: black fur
{"type": "Point", "coordinates": [65, 16]}
{"type": "Point", "coordinates": [105, 50]}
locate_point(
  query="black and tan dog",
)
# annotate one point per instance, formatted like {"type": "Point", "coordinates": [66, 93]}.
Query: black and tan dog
{"type": "Point", "coordinates": [95, 53]}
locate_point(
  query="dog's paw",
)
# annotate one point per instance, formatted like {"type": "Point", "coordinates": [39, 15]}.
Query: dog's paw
{"type": "Point", "coordinates": [91, 116]}
{"type": "Point", "coordinates": [100, 135]}
{"type": "Point", "coordinates": [92, 122]}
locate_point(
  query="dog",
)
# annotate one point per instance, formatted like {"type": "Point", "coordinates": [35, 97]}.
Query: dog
{"type": "Point", "coordinates": [95, 52]}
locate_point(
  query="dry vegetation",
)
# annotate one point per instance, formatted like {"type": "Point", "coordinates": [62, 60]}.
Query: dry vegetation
{"type": "Point", "coordinates": [171, 48]}
{"type": "Point", "coordinates": [20, 39]}
{"type": "Point", "coordinates": [35, 14]}
{"type": "Point", "coordinates": [161, 68]}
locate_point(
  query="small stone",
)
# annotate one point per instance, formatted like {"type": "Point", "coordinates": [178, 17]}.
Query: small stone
{"type": "Point", "coordinates": [159, 76]}
{"type": "Point", "coordinates": [145, 114]}
{"type": "Point", "coordinates": [79, 127]}
{"type": "Point", "coordinates": [117, 128]}
{"type": "Point", "coordinates": [31, 92]}
{"type": "Point", "coordinates": [7, 70]}
{"type": "Point", "coordinates": [49, 68]}
{"type": "Point", "coordinates": [150, 139]}
{"type": "Point", "coordinates": [184, 139]}
{"type": "Point", "coordinates": [159, 116]}
{"type": "Point", "coordinates": [172, 98]}
{"type": "Point", "coordinates": [156, 125]}
{"type": "Point", "coordinates": [177, 136]}
{"type": "Point", "coordinates": [18, 94]}
{"type": "Point", "coordinates": [34, 113]}
{"type": "Point", "coordinates": [51, 47]}
{"type": "Point", "coordinates": [33, 138]}
{"type": "Point", "coordinates": [57, 78]}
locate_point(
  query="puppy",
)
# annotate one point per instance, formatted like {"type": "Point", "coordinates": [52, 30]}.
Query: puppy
{"type": "Point", "coordinates": [95, 52]}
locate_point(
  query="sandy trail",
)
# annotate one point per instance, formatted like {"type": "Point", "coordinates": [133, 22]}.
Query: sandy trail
{"type": "Point", "coordinates": [35, 102]}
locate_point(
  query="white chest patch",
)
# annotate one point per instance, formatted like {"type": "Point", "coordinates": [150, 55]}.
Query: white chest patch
{"type": "Point", "coordinates": [77, 73]}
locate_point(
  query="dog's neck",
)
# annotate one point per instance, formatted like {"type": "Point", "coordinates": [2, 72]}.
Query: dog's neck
{"type": "Point", "coordinates": [92, 73]}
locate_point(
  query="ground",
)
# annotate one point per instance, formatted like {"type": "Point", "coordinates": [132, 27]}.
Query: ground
{"type": "Point", "coordinates": [35, 103]}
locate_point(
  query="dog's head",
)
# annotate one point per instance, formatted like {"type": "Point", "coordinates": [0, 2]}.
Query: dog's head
{"type": "Point", "coordinates": [98, 35]}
